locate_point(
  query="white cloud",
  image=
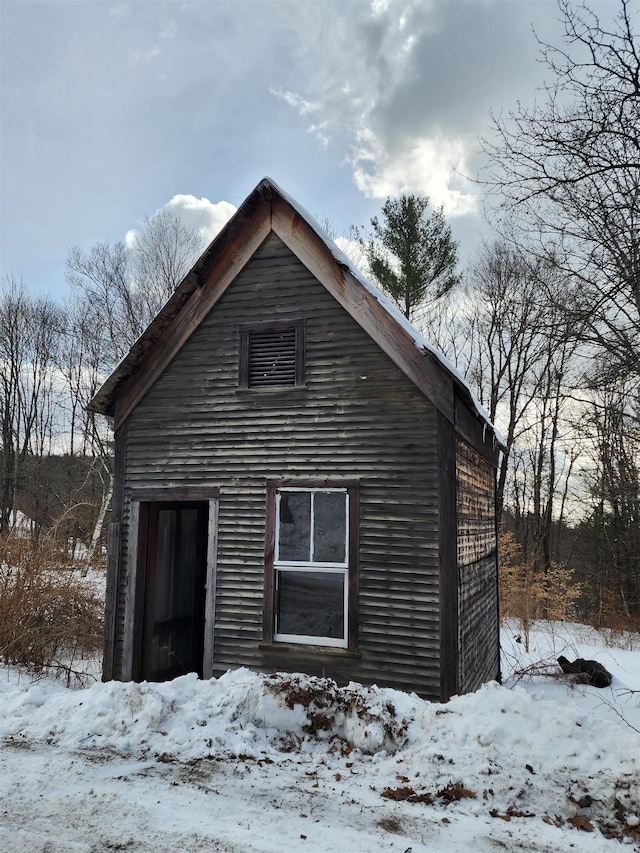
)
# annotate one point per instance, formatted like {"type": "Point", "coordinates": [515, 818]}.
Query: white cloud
{"type": "Point", "coordinates": [320, 131]}
{"type": "Point", "coordinates": [404, 87]}
{"type": "Point", "coordinates": [168, 31]}
{"type": "Point", "coordinates": [380, 98]}
{"type": "Point", "coordinates": [121, 11]}
{"type": "Point", "coordinates": [206, 217]}
{"type": "Point", "coordinates": [429, 166]}
{"type": "Point", "coordinates": [306, 107]}
{"type": "Point", "coordinates": [302, 105]}
{"type": "Point", "coordinates": [379, 7]}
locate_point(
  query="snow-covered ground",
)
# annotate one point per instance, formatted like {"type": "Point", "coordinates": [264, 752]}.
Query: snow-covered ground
{"type": "Point", "coordinates": [272, 763]}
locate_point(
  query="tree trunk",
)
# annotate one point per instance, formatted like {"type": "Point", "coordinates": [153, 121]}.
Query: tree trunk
{"type": "Point", "coordinates": [97, 530]}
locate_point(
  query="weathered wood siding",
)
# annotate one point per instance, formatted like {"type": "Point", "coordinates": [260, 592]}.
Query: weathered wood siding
{"type": "Point", "coordinates": [478, 647]}
{"type": "Point", "coordinates": [358, 417]}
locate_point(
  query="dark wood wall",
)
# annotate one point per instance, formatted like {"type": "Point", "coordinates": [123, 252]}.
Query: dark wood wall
{"type": "Point", "coordinates": [358, 417]}
{"type": "Point", "coordinates": [478, 643]}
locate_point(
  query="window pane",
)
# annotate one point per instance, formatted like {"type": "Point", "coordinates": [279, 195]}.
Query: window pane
{"type": "Point", "coordinates": [294, 526]}
{"type": "Point", "coordinates": [311, 604]}
{"type": "Point", "coordinates": [330, 526]}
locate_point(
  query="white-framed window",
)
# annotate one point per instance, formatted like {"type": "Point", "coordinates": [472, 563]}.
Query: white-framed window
{"type": "Point", "coordinates": [311, 565]}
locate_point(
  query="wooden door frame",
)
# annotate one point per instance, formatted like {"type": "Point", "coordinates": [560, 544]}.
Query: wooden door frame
{"type": "Point", "coordinates": [139, 502]}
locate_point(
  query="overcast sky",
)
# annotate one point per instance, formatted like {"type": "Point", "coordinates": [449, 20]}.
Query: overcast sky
{"type": "Point", "coordinates": [112, 110]}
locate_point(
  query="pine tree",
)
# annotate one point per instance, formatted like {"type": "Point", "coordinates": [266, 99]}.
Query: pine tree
{"type": "Point", "coordinates": [412, 255]}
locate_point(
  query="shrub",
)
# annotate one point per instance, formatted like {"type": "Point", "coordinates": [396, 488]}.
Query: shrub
{"type": "Point", "coordinates": [527, 594]}
{"type": "Point", "coordinates": [49, 616]}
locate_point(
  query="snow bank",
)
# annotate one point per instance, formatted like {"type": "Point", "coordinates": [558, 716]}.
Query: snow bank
{"type": "Point", "coordinates": [241, 713]}
{"type": "Point", "coordinates": [526, 765]}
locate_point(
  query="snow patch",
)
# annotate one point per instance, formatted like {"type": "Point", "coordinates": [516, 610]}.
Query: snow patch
{"type": "Point", "coordinates": [241, 762]}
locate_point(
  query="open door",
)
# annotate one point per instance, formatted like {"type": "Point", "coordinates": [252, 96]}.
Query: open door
{"type": "Point", "coordinates": [175, 574]}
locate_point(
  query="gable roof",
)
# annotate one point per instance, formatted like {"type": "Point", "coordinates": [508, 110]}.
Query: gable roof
{"type": "Point", "coordinates": [268, 208]}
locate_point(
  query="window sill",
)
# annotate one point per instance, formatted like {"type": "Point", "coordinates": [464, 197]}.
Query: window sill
{"type": "Point", "coordinates": [304, 649]}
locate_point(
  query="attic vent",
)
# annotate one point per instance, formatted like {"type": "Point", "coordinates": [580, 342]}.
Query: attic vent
{"type": "Point", "coordinates": [272, 355]}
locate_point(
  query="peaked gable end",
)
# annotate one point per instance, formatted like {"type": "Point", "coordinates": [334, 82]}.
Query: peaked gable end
{"type": "Point", "coordinates": [268, 210]}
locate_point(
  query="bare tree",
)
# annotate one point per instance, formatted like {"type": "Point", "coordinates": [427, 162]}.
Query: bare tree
{"type": "Point", "coordinates": [162, 254]}
{"type": "Point", "coordinates": [124, 288]}
{"type": "Point", "coordinates": [522, 361]}
{"type": "Point", "coordinates": [564, 180]}
{"type": "Point", "coordinates": [83, 361]}
{"type": "Point", "coordinates": [102, 276]}
{"type": "Point", "coordinates": [611, 529]}
{"type": "Point", "coordinates": [566, 173]}
{"type": "Point", "coordinates": [549, 451]}
{"type": "Point", "coordinates": [119, 290]}
{"type": "Point", "coordinates": [30, 332]}
{"type": "Point", "coordinates": [506, 328]}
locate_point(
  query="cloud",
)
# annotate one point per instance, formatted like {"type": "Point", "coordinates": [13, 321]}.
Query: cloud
{"type": "Point", "coordinates": [427, 166]}
{"type": "Point", "coordinates": [297, 102]}
{"type": "Point", "coordinates": [404, 87]}
{"type": "Point", "coordinates": [320, 131]}
{"type": "Point", "coordinates": [206, 217]}
{"type": "Point", "coordinates": [305, 107]}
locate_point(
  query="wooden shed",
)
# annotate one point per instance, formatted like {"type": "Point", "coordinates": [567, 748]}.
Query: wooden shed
{"type": "Point", "coordinates": [302, 482]}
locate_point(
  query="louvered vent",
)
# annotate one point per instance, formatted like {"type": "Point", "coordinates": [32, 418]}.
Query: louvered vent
{"type": "Point", "coordinates": [272, 357]}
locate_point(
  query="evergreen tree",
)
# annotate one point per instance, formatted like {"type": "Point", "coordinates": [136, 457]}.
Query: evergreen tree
{"type": "Point", "coordinates": [412, 255]}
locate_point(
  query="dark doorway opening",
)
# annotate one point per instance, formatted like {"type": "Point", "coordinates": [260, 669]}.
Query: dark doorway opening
{"type": "Point", "coordinates": [175, 561]}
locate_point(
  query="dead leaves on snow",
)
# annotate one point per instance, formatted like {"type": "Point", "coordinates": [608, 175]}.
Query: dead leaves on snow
{"type": "Point", "coordinates": [511, 812]}
{"type": "Point", "coordinates": [581, 821]}
{"type": "Point", "coordinates": [454, 793]}
{"type": "Point", "coordinates": [448, 794]}
{"type": "Point", "coordinates": [327, 707]}
{"type": "Point", "coordinates": [620, 828]}
{"type": "Point", "coordinates": [407, 794]}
